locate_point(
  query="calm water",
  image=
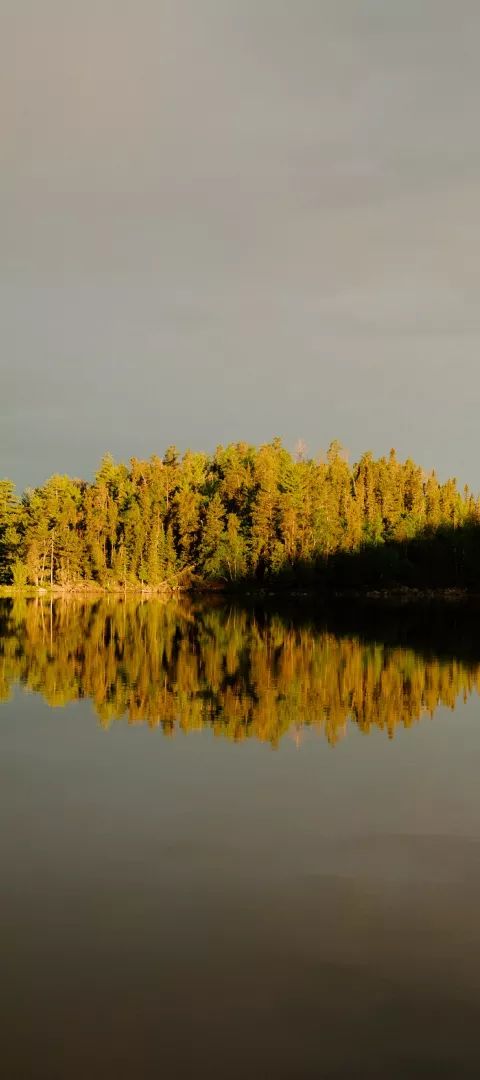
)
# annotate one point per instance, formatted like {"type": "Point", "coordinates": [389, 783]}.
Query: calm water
{"type": "Point", "coordinates": [236, 844]}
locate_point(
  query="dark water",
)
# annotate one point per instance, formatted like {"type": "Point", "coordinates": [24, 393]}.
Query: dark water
{"type": "Point", "coordinates": [287, 885]}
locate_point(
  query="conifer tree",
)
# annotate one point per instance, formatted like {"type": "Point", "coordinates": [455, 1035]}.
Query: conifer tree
{"type": "Point", "coordinates": [243, 513]}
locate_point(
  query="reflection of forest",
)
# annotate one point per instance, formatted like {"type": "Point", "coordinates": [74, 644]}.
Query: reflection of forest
{"type": "Point", "coordinates": [183, 666]}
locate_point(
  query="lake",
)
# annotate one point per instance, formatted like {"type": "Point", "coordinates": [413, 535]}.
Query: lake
{"type": "Point", "coordinates": [238, 841]}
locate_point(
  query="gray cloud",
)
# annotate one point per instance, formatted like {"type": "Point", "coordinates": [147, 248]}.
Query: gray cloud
{"type": "Point", "coordinates": [226, 220]}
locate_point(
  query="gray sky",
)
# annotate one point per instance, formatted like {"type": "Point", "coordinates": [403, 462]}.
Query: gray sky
{"type": "Point", "coordinates": [227, 219]}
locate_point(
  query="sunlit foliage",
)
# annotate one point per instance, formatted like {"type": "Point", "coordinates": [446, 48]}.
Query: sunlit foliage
{"type": "Point", "coordinates": [243, 513]}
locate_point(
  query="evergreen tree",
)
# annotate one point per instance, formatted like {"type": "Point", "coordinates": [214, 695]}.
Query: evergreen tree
{"type": "Point", "coordinates": [243, 513]}
{"type": "Point", "coordinates": [10, 530]}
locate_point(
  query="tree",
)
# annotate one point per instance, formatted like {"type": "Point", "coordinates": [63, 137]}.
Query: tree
{"type": "Point", "coordinates": [239, 513]}
{"type": "Point", "coordinates": [10, 529]}
{"type": "Point", "coordinates": [213, 535]}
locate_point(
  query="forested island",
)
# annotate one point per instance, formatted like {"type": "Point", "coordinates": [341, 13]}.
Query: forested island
{"type": "Point", "coordinates": [242, 517]}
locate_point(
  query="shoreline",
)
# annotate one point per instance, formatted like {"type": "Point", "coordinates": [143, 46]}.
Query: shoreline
{"type": "Point", "coordinates": [401, 594]}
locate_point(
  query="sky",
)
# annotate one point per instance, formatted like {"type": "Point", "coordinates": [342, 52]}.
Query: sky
{"type": "Point", "coordinates": [238, 219]}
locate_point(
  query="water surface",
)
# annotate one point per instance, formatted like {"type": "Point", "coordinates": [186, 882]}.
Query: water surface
{"type": "Point", "coordinates": [286, 885]}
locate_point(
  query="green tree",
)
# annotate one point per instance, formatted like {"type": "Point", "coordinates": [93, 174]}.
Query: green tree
{"type": "Point", "coordinates": [10, 529]}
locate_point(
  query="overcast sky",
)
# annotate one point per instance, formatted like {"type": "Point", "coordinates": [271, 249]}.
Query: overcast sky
{"type": "Point", "coordinates": [235, 219]}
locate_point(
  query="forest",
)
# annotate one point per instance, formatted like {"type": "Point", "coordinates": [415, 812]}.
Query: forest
{"type": "Point", "coordinates": [242, 516]}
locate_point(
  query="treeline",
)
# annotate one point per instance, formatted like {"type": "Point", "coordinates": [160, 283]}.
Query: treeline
{"type": "Point", "coordinates": [183, 667]}
{"type": "Point", "coordinates": [241, 514]}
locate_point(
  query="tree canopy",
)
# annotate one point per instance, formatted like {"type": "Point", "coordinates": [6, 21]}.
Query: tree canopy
{"type": "Point", "coordinates": [242, 513]}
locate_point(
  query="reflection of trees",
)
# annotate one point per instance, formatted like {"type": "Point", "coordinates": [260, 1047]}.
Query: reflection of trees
{"type": "Point", "coordinates": [181, 666]}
